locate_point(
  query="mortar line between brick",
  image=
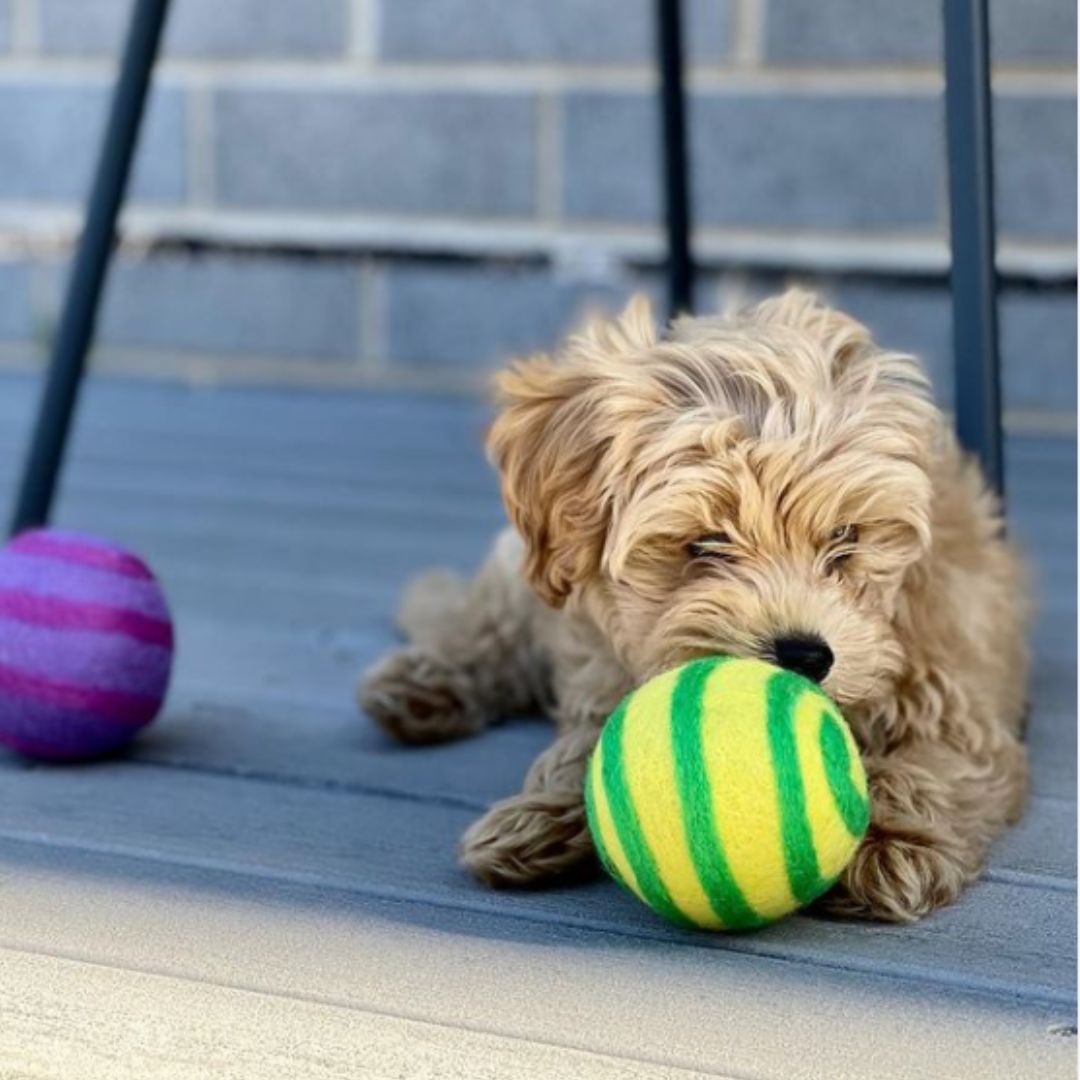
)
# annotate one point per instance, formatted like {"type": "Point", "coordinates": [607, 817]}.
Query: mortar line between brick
{"type": "Point", "coordinates": [363, 27]}
{"type": "Point", "coordinates": [50, 229]}
{"type": "Point", "coordinates": [43, 305]}
{"type": "Point", "coordinates": [371, 300]}
{"type": "Point", "coordinates": [749, 33]}
{"type": "Point", "coordinates": [820, 82]}
{"type": "Point", "coordinates": [201, 151]}
{"type": "Point", "coordinates": [549, 158]}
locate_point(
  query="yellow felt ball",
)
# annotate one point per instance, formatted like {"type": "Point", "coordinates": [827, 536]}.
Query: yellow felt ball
{"type": "Point", "coordinates": [726, 793]}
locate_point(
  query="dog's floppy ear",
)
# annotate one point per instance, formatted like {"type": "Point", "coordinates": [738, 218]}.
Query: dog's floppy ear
{"type": "Point", "coordinates": [550, 443]}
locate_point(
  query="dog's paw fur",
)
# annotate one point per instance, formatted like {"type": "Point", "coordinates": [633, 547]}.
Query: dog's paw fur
{"type": "Point", "coordinates": [528, 839]}
{"type": "Point", "coordinates": [418, 698]}
{"type": "Point", "coordinates": [898, 877]}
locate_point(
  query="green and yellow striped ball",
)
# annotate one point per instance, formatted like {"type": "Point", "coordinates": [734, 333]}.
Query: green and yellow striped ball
{"type": "Point", "coordinates": [726, 793]}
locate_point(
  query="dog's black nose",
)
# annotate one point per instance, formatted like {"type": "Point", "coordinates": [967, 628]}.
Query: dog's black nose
{"type": "Point", "coordinates": [805, 654]}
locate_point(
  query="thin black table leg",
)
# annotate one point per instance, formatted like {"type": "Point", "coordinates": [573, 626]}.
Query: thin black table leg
{"type": "Point", "coordinates": [76, 330]}
{"type": "Point", "coordinates": [971, 215]}
{"type": "Point", "coordinates": [680, 265]}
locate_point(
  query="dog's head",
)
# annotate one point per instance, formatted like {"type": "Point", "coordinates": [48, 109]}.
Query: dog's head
{"type": "Point", "coordinates": [756, 485]}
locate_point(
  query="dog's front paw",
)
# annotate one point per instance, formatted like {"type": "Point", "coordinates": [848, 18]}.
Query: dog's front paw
{"type": "Point", "coordinates": [527, 839]}
{"type": "Point", "coordinates": [418, 698]}
{"type": "Point", "coordinates": [898, 877]}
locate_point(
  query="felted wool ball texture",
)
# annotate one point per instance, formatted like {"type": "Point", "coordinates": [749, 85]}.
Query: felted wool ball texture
{"type": "Point", "coordinates": [726, 793]}
{"type": "Point", "coordinates": [86, 645]}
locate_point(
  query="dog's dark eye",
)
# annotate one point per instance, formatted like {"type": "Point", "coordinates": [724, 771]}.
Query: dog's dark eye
{"type": "Point", "coordinates": [714, 546]}
{"type": "Point", "coordinates": [842, 541]}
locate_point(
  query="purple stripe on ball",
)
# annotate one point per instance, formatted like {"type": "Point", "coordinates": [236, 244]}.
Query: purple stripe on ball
{"type": "Point", "coordinates": [85, 644]}
{"type": "Point", "coordinates": [61, 614]}
{"type": "Point", "coordinates": [82, 549]}
{"type": "Point", "coordinates": [49, 577]}
{"type": "Point", "coordinates": [111, 705]}
{"type": "Point", "coordinates": [59, 734]}
{"type": "Point", "coordinates": [86, 659]}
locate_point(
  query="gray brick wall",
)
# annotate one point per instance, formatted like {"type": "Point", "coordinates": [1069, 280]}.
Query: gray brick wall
{"type": "Point", "coordinates": [16, 301]}
{"type": "Point", "coordinates": [1036, 32]}
{"type": "Point", "coordinates": [49, 132]}
{"type": "Point", "coordinates": [445, 318]}
{"type": "Point", "coordinates": [448, 324]}
{"type": "Point", "coordinates": [771, 160]}
{"type": "Point", "coordinates": [275, 308]}
{"type": "Point", "coordinates": [1038, 342]}
{"type": "Point", "coordinates": [310, 29]}
{"type": "Point", "coordinates": [1036, 166]}
{"type": "Point", "coordinates": [1038, 336]}
{"type": "Point", "coordinates": [555, 31]}
{"type": "Point", "coordinates": [283, 149]}
{"type": "Point", "coordinates": [410, 152]}
{"type": "Point", "coordinates": [467, 318]}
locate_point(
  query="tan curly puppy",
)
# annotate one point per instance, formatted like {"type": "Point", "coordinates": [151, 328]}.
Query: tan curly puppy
{"type": "Point", "coordinates": [765, 484]}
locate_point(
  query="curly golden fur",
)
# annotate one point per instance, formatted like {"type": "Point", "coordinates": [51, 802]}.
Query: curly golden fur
{"type": "Point", "coordinates": [739, 482]}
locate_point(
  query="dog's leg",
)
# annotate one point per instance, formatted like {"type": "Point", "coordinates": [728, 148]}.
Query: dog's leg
{"type": "Point", "coordinates": [934, 812]}
{"type": "Point", "coordinates": [541, 833]}
{"type": "Point", "coordinates": [470, 658]}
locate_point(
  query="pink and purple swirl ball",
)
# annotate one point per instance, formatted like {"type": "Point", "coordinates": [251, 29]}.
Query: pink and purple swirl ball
{"type": "Point", "coordinates": [86, 645]}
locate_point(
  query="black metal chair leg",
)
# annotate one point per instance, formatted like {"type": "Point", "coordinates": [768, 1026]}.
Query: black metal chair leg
{"type": "Point", "coordinates": [971, 214]}
{"type": "Point", "coordinates": [680, 265]}
{"type": "Point", "coordinates": [76, 330]}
